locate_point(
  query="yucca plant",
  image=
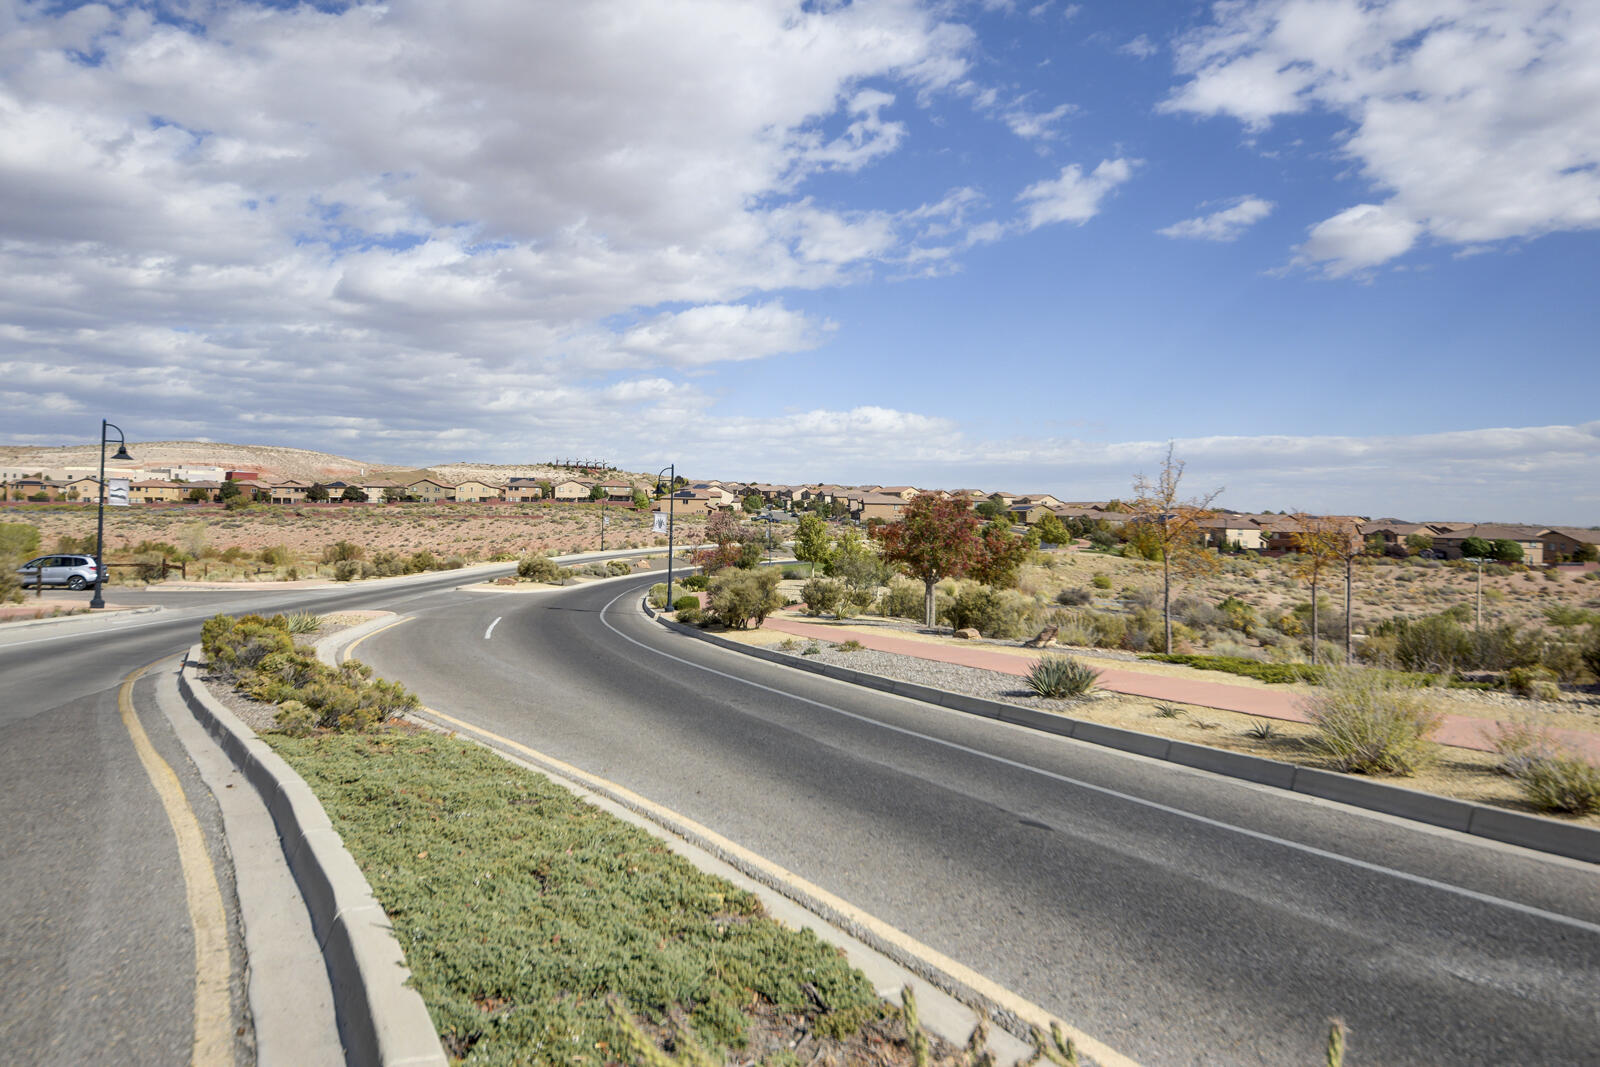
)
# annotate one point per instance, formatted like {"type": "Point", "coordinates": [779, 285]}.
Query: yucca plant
{"type": "Point", "coordinates": [1061, 676]}
{"type": "Point", "coordinates": [304, 622]}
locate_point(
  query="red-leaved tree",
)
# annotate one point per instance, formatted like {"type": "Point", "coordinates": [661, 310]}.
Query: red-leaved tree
{"type": "Point", "coordinates": [934, 539]}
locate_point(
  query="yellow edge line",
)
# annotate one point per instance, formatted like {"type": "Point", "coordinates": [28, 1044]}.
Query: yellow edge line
{"type": "Point", "coordinates": [995, 993]}
{"type": "Point", "coordinates": [344, 653]}
{"type": "Point", "coordinates": [213, 1001]}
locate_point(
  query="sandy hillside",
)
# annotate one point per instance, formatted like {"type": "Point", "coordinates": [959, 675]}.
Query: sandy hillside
{"type": "Point", "coordinates": [284, 463]}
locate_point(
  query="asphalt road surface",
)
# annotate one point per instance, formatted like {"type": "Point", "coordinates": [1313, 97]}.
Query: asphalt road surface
{"type": "Point", "coordinates": [97, 959]}
{"type": "Point", "coordinates": [1176, 916]}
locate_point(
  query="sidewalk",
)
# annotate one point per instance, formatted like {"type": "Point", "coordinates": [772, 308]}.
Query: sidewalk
{"type": "Point", "coordinates": [1460, 731]}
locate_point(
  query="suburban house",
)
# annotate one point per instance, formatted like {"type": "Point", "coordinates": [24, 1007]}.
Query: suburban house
{"type": "Point", "coordinates": [1234, 531]}
{"type": "Point", "coordinates": [885, 506]}
{"type": "Point", "coordinates": [1028, 513]}
{"type": "Point", "coordinates": [473, 491]}
{"type": "Point", "coordinates": [289, 492]}
{"type": "Point", "coordinates": [1039, 498]}
{"type": "Point", "coordinates": [572, 489]}
{"type": "Point", "coordinates": [1529, 537]}
{"type": "Point", "coordinates": [904, 492]}
{"type": "Point", "coordinates": [155, 491]}
{"type": "Point", "coordinates": [618, 492]}
{"type": "Point", "coordinates": [524, 490]}
{"type": "Point", "coordinates": [430, 490]}
{"type": "Point", "coordinates": [1565, 542]}
{"type": "Point", "coordinates": [692, 502]}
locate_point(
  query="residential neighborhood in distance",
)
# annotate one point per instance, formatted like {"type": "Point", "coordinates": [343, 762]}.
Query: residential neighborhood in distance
{"type": "Point", "coordinates": [199, 484]}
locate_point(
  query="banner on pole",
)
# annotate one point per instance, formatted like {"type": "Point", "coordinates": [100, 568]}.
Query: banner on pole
{"type": "Point", "coordinates": [117, 490]}
{"type": "Point", "coordinates": [659, 524]}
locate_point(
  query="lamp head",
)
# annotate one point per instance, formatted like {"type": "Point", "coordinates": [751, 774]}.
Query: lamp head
{"type": "Point", "coordinates": [121, 453]}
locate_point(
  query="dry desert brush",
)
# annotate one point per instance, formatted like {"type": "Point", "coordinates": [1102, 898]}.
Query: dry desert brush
{"type": "Point", "coordinates": [1369, 725]}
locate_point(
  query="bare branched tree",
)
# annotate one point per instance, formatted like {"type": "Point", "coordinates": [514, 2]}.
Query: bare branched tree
{"type": "Point", "coordinates": [1175, 524]}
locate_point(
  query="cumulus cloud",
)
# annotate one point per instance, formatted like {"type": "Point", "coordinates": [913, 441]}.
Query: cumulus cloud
{"type": "Point", "coordinates": [1073, 196]}
{"type": "Point", "coordinates": [1476, 122]}
{"type": "Point", "coordinates": [441, 211]}
{"type": "Point", "coordinates": [1225, 224]}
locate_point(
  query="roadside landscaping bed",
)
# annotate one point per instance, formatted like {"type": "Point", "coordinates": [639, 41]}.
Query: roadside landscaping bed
{"type": "Point", "coordinates": [539, 929]}
{"type": "Point", "coordinates": [1463, 774]}
{"type": "Point", "coordinates": [524, 913]}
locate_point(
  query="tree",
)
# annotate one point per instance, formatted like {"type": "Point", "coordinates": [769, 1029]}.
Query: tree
{"type": "Point", "coordinates": [1473, 548]}
{"type": "Point", "coordinates": [1002, 554]}
{"type": "Point", "coordinates": [597, 492]}
{"type": "Point", "coordinates": [317, 494]}
{"type": "Point", "coordinates": [854, 561]}
{"type": "Point", "coordinates": [198, 495]}
{"type": "Point", "coordinates": [1586, 554]}
{"type": "Point", "coordinates": [547, 490]}
{"type": "Point", "coordinates": [396, 493]}
{"type": "Point", "coordinates": [751, 504]}
{"type": "Point", "coordinates": [353, 494]}
{"type": "Point", "coordinates": [1052, 531]}
{"type": "Point", "coordinates": [1323, 542]}
{"type": "Point", "coordinates": [228, 491]}
{"type": "Point", "coordinates": [1419, 543]}
{"type": "Point", "coordinates": [934, 539]}
{"type": "Point", "coordinates": [640, 499]}
{"type": "Point", "coordinates": [811, 541]}
{"type": "Point", "coordinates": [1506, 551]}
{"type": "Point", "coordinates": [1176, 526]}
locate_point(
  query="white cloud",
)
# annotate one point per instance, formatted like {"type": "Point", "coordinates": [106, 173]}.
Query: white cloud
{"type": "Point", "coordinates": [1035, 125]}
{"type": "Point", "coordinates": [1358, 238]}
{"type": "Point", "coordinates": [1478, 122]}
{"type": "Point", "coordinates": [1225, 224]}
{"type": "Point", "coordinates": [1073, 196]}
{"type": "Point", "coordinates": [438, 211]}
{"type": "Point", "coordinates": [1141, 47]}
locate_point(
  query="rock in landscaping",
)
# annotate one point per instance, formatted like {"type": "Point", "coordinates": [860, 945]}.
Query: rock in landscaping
{"type": "Point", "coordinates": [1045, 639]}
{"type": "Point", "coordinates": [968, 634]}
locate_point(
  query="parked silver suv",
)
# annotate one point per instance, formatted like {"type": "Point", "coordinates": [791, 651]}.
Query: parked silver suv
{"type": "Point", "coordinates": [74, 572]}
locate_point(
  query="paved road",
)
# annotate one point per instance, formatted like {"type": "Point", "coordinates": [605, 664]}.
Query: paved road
{"type": "Point", "coordinates": [97, 959]}
{"type": "Point", "coordinates": [1178, 917]}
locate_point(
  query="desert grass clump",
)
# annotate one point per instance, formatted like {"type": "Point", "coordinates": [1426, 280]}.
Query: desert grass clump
{"type": "Point", "coordinates": [1563, 782]}
{"type": "Point", "coordinates": [1368, 725]}
{"type": "Point", "coordinates": [1061, 676]}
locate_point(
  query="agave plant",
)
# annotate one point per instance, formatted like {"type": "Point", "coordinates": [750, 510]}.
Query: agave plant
{"type": "Point", "coordinates": [1061, 676]}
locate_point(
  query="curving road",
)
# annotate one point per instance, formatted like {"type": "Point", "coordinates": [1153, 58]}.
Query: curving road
{"type": "Point", "coordinates": [1178, 917]}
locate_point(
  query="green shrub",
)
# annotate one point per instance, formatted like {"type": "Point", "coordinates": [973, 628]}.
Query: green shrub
{"type": "Point", "coordinates": [423, 561]}
{"type": "Point", "coordinates": [687, 602]}
{"type": "Point", "coordinates": [1061, 676]}
{"type": "Point", "coordinates": [822, 594]}
{"type": "Point", "coordinates": [902, 600]}
{"type": "Point", "coordinates": [276, 555]}
{"type": "Point", "coordinates": [1520, 743]}
{"type": "Point", "coordinates": [347, 570]}
{"type": "Point", "coordinates": [341, 551]}
{"type": "Point", "coordinates": [1274, 673]}
{"type": "Point", "coordinates": [1101, 581]}
{"type": "Point", "coordinates": [618, 567]}
{"type": "Point", "coordinates": [541, 568]}
{"type": "Point", "coordinates": [696, 583]}
{"type": "Point", "coordinates": [741, 596]}
{"type": "Point", "coordinates": [992, 612]}
{"type": "Point", "coordinates": [1369, 726]}
{"type": "Point", "coordinates": [690, 614]}
{"type": "Point", "coordinates": [1565, 782]}
{"type": "Point", "coordinates": [1074, 597]}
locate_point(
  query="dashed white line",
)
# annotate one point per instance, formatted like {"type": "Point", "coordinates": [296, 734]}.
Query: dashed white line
{"type": "Point", "coordinates": [492, 625]}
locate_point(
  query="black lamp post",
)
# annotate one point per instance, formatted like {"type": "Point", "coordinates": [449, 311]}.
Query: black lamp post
{"type": "Point", "coordinates": [671, 471]}
{"type": "Point", "coordinates": [99, 601]}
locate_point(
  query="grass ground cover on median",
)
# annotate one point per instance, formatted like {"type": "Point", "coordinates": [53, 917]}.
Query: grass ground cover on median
{"type": "Point", "coordinates": [523, 912]}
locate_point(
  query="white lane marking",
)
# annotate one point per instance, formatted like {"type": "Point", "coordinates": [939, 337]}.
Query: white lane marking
{"type": "Point", "coordinates": [492, 625]}
{"type": "Point", "coordinates": [1377, 868]}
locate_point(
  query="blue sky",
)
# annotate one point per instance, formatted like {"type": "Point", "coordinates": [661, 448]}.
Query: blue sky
{"type": "Point", "coordinates": [1341, 253]}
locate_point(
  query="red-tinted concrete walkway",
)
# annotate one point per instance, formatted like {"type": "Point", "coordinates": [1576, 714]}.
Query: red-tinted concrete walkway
{"type": "Point", "coordinates": [1460, 731]}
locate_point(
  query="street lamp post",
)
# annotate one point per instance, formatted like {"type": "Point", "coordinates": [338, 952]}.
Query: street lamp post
{"type": "Point", "coordinates": [1477, 623]}
{"type": "Point", "coordinates": [671, 471]}
{"type": "Point", "coordinates": [98, 600]}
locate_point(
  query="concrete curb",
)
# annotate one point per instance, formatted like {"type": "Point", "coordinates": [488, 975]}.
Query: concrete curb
{"type": "Point", "coordinates": [113, 613]}
{"type": "Point", "coordinates": [381, 1019]}
{"type": "Point", "coordinates": [1497, 824]}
